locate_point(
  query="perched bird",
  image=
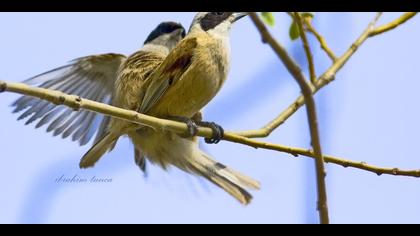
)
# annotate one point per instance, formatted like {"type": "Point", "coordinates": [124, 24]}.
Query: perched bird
{"type": "Point", "coordinates": [188, 78]}
{"type": "Point", "coordinates": [93, 77]}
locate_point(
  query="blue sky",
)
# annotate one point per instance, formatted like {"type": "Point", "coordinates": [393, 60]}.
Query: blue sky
{"type": "Point", "coordinates": [369, 113]}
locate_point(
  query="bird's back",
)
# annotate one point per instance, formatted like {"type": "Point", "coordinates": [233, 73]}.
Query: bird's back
{"type": "Point", "coordinates": [132, 75]}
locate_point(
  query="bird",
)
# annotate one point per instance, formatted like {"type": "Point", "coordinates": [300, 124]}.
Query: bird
{"type": "Point", "coordinates": [189, 77]}
{"type": "Point", "coordinates": [93, 77]}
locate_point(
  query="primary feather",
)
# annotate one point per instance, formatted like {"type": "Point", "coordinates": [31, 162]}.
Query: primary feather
{"type": "Point", "coordinates": [91, 77]}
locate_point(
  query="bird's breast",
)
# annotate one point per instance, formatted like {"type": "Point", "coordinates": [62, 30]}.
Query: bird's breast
{"type": "Point", "coordinates": [198, 85]}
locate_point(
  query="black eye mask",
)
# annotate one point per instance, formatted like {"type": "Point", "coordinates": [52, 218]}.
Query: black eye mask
{"type": "Point", "coordinates": [212, 19]}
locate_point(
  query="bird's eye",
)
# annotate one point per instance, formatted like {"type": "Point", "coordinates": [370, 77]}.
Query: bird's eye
{"type": "Point", "coordinates": [218, 13]}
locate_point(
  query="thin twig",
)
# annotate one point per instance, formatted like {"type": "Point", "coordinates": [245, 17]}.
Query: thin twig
{"type": "Point", "coordinates": [311, 64]}
{"type": "Point", "coordinates": [359, 164]}
{"type": "Point", "coordinates": [320, 39]}
{"type": "Point", "coordinates": [393, 24]}
{"type": "Point", "coordinates": [327, 77]}
{"type": "Point", "coordinates": [295, 151]}
{"type": "Point", "coordinates": [306, 89]}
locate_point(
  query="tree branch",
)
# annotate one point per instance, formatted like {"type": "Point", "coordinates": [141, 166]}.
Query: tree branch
{"type": "Point", "coordinates": [75, 102]}
{"type": "Point", "coordinates": [327, 77]}
{"type": "Point", "coordinates": [306, 89]}
{"type": "Point", "coordinates": [314, 128]}
{"type": "Point", "coordinates": [311, 64]}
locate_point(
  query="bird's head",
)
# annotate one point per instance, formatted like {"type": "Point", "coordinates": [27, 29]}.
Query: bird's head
{"type": "Point", "coordinates": [215, 22]}
{"type": "Point", "coordinates": [167, 34]}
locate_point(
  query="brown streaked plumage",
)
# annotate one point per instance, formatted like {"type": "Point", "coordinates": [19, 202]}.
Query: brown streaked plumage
{"type": "Point", "coordinates": [130, 82]}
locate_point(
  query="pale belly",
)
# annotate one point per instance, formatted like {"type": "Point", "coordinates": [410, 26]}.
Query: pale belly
{"type": "Point", "coordinates": [165, 148]}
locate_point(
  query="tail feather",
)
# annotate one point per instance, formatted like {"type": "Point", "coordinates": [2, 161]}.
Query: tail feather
{"type": "Point", "coordinates": [140, 159]}
{"type": "Point", "coordinates": [229, 180]}
{"type": "Point", "coordinates": [106, 143]}
{"type": "Point", "coordinates": [243, 179]}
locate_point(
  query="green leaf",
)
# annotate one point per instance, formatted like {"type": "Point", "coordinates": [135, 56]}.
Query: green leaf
{"type": "Point", "coordinates": [268, 18]}
{"type": "Point", "coordinates": [294, 31]}
{"type": "Point", "coordinates": [294, 28]}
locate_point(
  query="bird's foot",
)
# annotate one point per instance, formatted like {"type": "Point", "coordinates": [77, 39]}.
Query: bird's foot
{"type": "Point", "coordinates": [192, 126]}
{"type": "Point", "coordinates": [218, 131]}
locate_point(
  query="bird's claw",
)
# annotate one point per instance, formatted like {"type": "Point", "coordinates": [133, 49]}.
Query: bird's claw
{"type": "Point", "coordinates": [218, 132]}
{"type": "Point", "coordinates": [192, 128]}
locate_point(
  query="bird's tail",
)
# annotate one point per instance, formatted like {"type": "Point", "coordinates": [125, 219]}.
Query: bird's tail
{"type": "Point", "coordinates": [229, 180]}
{"type": "Point", "coordinates": [106, 143]}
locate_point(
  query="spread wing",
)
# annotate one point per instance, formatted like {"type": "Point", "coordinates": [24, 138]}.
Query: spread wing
{"type": "Point", "coordinates": [90, 77]}
{"type": "Point", "coordinates": [168, 73]}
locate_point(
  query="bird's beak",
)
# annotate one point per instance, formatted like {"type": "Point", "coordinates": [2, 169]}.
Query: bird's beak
{"type": "Point", "coordinates": [238, 15]}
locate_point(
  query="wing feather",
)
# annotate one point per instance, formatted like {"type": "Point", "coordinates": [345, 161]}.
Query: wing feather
{"type": "Point", "coordinates": [91, 77]}
{"type": "Point", "coordinates": [168, 73]}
